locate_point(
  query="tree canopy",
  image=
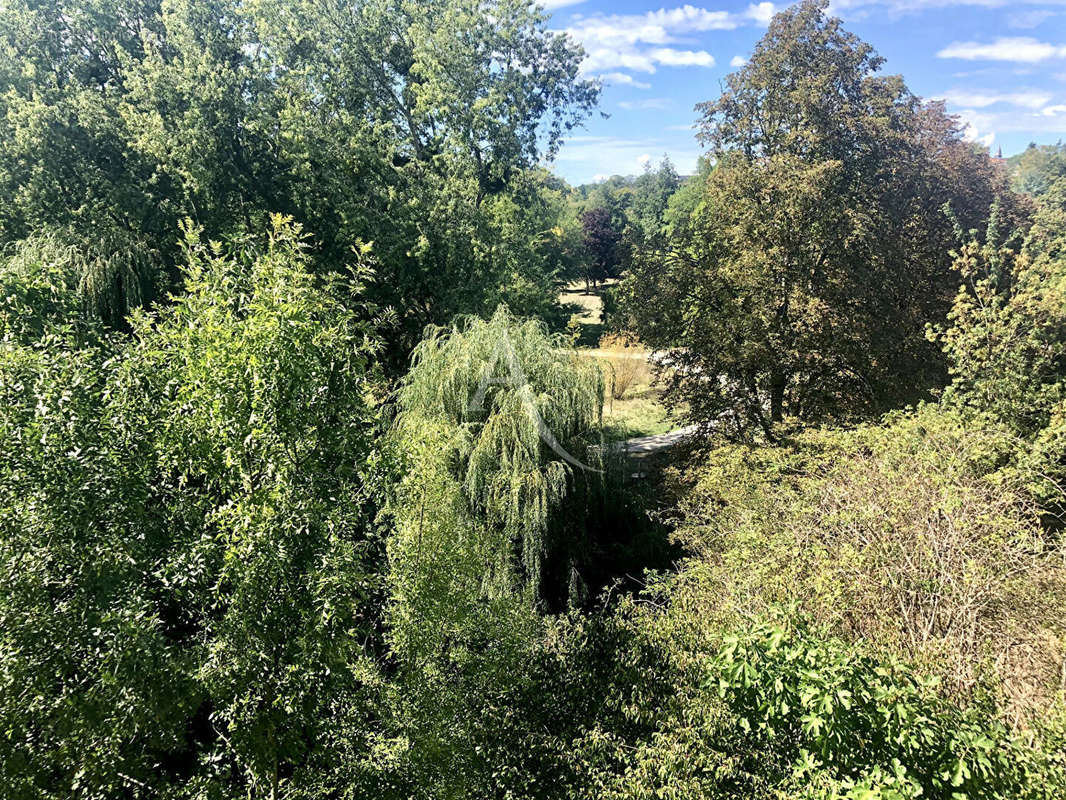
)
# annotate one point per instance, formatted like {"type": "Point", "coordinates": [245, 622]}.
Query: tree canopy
{"type": "Point", "coordinates": [803, 279]}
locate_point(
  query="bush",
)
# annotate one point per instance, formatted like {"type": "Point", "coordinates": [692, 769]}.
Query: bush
{"type": "Point", "coordinates": [776, 706]}
{"type": "Point", "coordinates": [627, 362]}
{"type": "Point", "coordinates": [917, 536]}
{"type": "Point", "coordinates": [187, 545]}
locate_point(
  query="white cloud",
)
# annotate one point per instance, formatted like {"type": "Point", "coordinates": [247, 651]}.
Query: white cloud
{"type": "Point", "coordinates": [682, 58]}
{"type": "Point", "coordinates": [644, 159]}
{"type": "Point", "coordinates": [1054, 111]}
{"type": "Point", "coordinates": [623, 79]}
{"type": "Point", "coordinates": [762, 13]}
{"type": "Point", "coordinates": [553, 4]}
{"type": "Point", "coordinates": [971, 133]}
{"type": "Point", "coordinates": [658, 103]}
{"type": "Point", "coordinates": [738, 61]}
{"type": "Point", "coordinates": [899, 7]}
{"type": "Point", "coordinates": [1024, 49]}
{"type": "Point", "coordinates": [981, 99]}
{"type": "Point", "coordinates": [978, 123]}
{"type": "Point", "coordinates": [641, 42]}
{"type": "Point", "coordinates": [1030, 19]}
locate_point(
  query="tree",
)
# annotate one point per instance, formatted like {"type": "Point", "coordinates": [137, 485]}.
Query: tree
{"type": "Point", "coordinates": [1005, 340]}
{"type": "Point", "coordinates": [191, 566]}
{"type": "Point", "coordinates": [802, 282]}
{"type": "Point", "coordinates": [387, 122]}
{"type": "Point", "coordinates": [651, 196]}
{"type": "Point", "coordinates": [602, 243]}
{"type": "Point", "coordinates": [494, 419]}
{"type": "Point", "coordinates": [1034, 170]}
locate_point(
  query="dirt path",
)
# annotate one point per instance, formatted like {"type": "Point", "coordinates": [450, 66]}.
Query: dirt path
{"type": "Point", "coordinates": [644, 446]}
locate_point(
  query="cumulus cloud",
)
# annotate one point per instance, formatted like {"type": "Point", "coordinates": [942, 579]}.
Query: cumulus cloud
{"type": "Point", "coordinates": [1054, 111]}
{"type": "Point", "coordinates": [682, 58]}
{"type": "Point", "coordinates": [762, 13]}
{"type": "Point", "coordinates": [623, 79]}
{"type": "Point", "coordinates": [642, 42]}
{"type": "Point", "coordinates": [738, 61]}
{"type": "Point", "coordinates": [1024, 49]}
{"type": "Point", "coordinates": [971, 133]}
{"type": "Point", "coordinates": [980, 99]}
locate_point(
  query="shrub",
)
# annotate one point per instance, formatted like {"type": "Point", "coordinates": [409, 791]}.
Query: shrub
{"type": "Point", "coordinates": [627, 362]}
{"type": "Point", "coordinates": [187, 545]}
{"type": "Point", "coordinates": [917, 536]}
{"type": "Point", "coordinates": [775, 705]}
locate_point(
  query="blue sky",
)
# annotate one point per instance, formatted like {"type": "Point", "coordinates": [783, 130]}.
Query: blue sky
{"type": "Point", "coordinates": [1000, 65]}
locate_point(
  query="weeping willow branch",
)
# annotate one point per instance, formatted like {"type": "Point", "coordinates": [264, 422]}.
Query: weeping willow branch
{"type": "Point", "coordinates": [71, 276]}
{"type": "Point", "coordinates": [483, 392]}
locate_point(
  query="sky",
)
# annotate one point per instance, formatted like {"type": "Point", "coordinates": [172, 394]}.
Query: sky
{"type": "Point", "coordinates": [999, 64]}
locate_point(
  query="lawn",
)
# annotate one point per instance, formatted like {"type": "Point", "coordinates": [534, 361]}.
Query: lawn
{"type": "Point", "coordinates": [588, 308]}
{"type": "Point", "coordinates": [640, 412]}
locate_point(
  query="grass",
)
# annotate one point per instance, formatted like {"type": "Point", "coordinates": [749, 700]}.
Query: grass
{"type": "Point", "coordinates": [639, 410]}
{"type": "Point", "coordinates": [588, 308]}
{"type": "Point", "coordinates": [639, 413]}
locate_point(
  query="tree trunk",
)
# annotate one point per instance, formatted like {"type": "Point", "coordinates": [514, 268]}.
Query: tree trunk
{"type": "Point", "coordinates": [777, 395]}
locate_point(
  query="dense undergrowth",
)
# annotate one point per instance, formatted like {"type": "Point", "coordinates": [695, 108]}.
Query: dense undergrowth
{"type": "Point", "coordinates": [252, 544]}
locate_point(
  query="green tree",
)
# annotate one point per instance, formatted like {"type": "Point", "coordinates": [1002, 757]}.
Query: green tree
{"type": "Point", "coordinates": [494, 417]}
{"type": "Point", "coordinates": [1006, 340]}
{"type": "Point", "coordinates": [1036, 168]}
{"type": "Point", "coordinates": [802, 282]}
{"type": "Point", "coordinates": [651, 195]}
{"type": "Point", "coordinates": [391, 122]}
{"type": "Point", "coordinates": [192, 569]}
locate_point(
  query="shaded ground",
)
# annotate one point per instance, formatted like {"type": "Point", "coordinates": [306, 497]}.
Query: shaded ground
{"type": "Point", "coordinates": [642, 447]}
{"type": "Point", "coordinates": [588, 308]}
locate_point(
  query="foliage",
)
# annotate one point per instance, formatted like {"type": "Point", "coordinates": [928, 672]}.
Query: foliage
{"type": "Point", "coordinates": [500, 414]}
{"type": "Point", "coordinates": [494, 419]}
{"type": "Point", "coordinates": [918, 537]}
{"type": "Point", "coordinates": [802, 282]}
{"type": "Point", "coordinates": [775, 706]}
{"type": "Point", "coordinates": [1037, 167]}
{"type": "Point", "coordinates": [416, 126]}
{"type": "Point", "coordinates": [187, 538]}
{"type": "Point", "coordinates": [238, 560]}
{"type": "Point", "coordinates": [852, 726]}
{"type": "Point", "coordinates": [651, 195]}
{"type": "Point", "coordinates": [602, 244]}
{"type": "Point", "coordinates": [1006, 341]}
{"type": "Point", "coordinates": [38, 289]}
{"type": "Point", "coordinates": [627, 361]}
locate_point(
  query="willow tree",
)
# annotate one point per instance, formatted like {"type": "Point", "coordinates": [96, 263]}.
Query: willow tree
{"type": "Point", "coordinates": [496, 418]}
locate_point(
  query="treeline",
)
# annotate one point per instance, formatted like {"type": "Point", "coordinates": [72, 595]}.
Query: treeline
{"type": "Point", "coordinates": [303, 495]}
